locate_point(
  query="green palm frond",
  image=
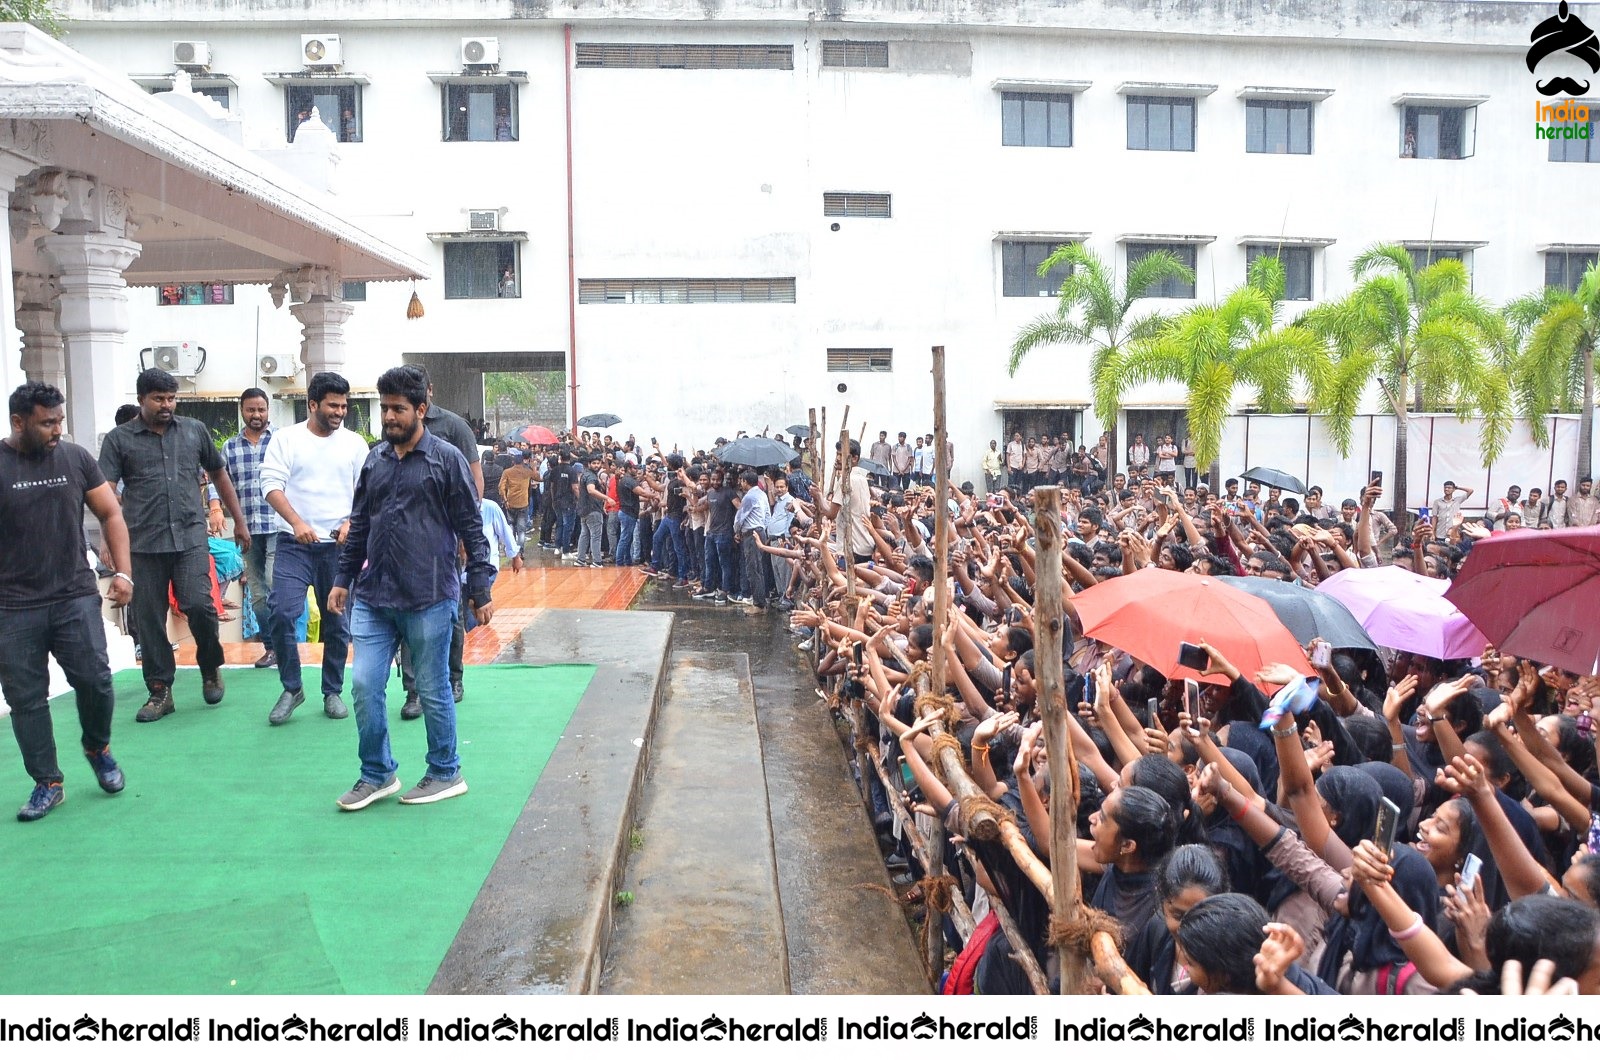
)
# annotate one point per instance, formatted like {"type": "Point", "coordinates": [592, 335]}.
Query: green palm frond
{"type": "Point", "coordinates": [1045, 331]}
{"type": "Point", "coordinates": [1210, 405]}
{"type": "Point", "coordinates": [1151, 271]}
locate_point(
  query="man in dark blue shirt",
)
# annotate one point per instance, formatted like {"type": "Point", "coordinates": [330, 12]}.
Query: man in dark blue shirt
{"type": "Point", "coordinates": [415, 507]}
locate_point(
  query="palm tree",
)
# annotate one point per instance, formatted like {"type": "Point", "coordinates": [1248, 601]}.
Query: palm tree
{"type": "Point", "coordinates": [524, 390]}
{"type": "Point", "coordinates": [1425, 338]}
{"type": "Point", "coordinates": [1215, 349]}
{"type": "Point", "coordinates": [1106, 323]}
{"type": "Point", "coordinates": [1561, 329]}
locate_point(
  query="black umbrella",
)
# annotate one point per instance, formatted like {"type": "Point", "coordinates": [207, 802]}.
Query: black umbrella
{"type": "Point", "coordinates": [1276, 479]}
{"type": "Point", "coordinates": [1307, 613]}
{"type": "Point", "coordinates": [799, 430]}
{"type": "Point", "coordinates": [872, 467]}
{"type": "Point", "coordinates": [600, 419]}
{"type": "Point", "coordinates": [756, 452]}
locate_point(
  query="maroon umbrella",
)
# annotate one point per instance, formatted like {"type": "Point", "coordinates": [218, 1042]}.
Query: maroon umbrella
{"type": "Point", "coordinates": [534, 435]}
{"type": "Point", "coordinates": [1534, 593]}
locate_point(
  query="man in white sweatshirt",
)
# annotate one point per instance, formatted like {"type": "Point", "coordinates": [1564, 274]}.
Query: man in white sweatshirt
{"type": "Point", "coordinates": [308, 476]}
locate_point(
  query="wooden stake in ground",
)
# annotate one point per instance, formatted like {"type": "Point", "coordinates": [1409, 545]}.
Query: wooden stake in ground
{"type": "Point", "coordinates": [844, 471]}
{"type": "Point", "coordinates": [941, 526]}
{"type": "Point", "coordinates": [1049, 627]}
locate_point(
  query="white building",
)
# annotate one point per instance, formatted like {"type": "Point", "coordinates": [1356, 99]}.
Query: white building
{"type": "Point", "coordinates": [716, 215]}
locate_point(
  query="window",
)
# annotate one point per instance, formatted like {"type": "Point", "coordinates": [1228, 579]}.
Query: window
{"type": "Point", "coordinates": [1298, 268]}
{"type": "Point", "coordinates": [1175, 287]}
{"type": "Point", "coordinates": [1160, 123]}
{"type": "Point", "coordinates": [480, 113]}
{"type": "Point", "coordinates": [685, 56]}
{"type": "Point", "coordinates": [1035, 119]}
{"type": "Point", "coordinates": [1565, 268]}
{"type": "Point", "coordinates": [685, 291]}
{"type": "Point", "coordinates": [1582, 146]}
{"type": "Point", "coordinates": [195, 294]}
{"type": "Point", "coordinates": [220, 417]}
{"type": "Point", "coordinates": [855, 204]}
{"type": "Point", "coordinates": [852, 360]}
{"type": "Point", "coordinates": [338, 105]}
{"type": "Point", "coordinates": [1438, 132]}
{"type": "Point", "coordinates": [1277, 127]}
{"type": "Point", "coordinates": [856, 54]}
{"type": "Point", "coordinates": [481, 269]}
{"type": "Point", "coordinates": [1425, 255]}
{"type": "Point", "coordinates": [1019, 266]}
{"type": "Point", "coordinates": [219, 93]}
{"type": "Point", "coordinates": [354, 291]}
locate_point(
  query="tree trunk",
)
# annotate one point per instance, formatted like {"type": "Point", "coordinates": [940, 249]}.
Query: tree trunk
{"type": "Point", "coordinates": [1586, 424]}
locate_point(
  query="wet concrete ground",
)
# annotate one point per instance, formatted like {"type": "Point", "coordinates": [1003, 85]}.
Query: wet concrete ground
{"type": "Point", "coordinates": [842, 935]}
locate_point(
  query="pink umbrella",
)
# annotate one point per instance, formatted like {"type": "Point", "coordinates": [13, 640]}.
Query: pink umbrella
{"type": "Point", "coordinates": [1406, 611]}
{"type": "Point", "coordinates": [1536, 593]}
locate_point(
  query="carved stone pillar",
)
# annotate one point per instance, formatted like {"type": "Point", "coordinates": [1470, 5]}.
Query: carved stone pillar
{"type": "Point", "coordinates": [44, 357]}
{"type": "Point", "coordinates": [93, 319]}
{"type": "Point", "coordinates": [322, 326]}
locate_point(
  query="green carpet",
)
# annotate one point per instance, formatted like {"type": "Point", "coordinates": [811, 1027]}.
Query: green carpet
{"type": "Point", "coordinates": [224, 867]}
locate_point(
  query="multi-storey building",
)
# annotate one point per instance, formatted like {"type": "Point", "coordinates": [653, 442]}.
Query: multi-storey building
{"type": "Point", "coordinates": [712, 216]}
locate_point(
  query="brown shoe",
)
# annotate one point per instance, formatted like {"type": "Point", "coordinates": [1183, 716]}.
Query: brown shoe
{"type": "Point", "coordinates": [158, 706]}
{"type": "Point", "coordinates": [268, 660]}
{"type": "Point", "coordinates": [211, 686]}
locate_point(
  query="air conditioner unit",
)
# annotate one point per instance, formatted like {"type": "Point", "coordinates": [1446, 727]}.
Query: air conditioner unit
{"type": "Point", "coordinates": [270, 367]}
{"type": "Point", "coordinates": [483, 220]}
{"type": "Point", "coordinates": [480, 51]}
{"type": "Point", "coordinates": [180, 358]}
{"type": "Point", "coordinates": [321, 49]}
{"type": "Point", "coordinates": [187, 53]}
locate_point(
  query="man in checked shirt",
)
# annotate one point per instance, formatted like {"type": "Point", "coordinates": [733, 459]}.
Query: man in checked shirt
{"type": "Point", "coordinates": [242, 455]}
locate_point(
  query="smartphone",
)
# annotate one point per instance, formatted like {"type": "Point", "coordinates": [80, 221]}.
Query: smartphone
{"type": "Point", "coordinates": [1469, 872]}
{"type": "Point", "coordinates": [1322, 655]}
{"type": "Point", "coordinates": [1422, 512]}
{"type": "Point", "coordinates": [1191, 702]}
{"type": "Point", "coordinates": [1388, 821]}
{"type": "Point", "coordinates": [1088, 689]}
{"type": "Point", "coordinates": [1375, 478]}
{"type": "Point", "coordinates": [1193, 656]}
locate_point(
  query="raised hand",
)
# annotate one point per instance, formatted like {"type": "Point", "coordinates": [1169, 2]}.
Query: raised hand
{"type": "Point", "coordinates": [1281, 948]}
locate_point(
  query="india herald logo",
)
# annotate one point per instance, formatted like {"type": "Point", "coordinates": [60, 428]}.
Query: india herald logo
{"type": "Point", "coordinates": [1563, 32]}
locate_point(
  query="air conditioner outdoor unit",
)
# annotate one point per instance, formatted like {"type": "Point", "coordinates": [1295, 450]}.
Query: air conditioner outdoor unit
{"type": "Point", "coordinates": [321, 49]}
{"type": "Point", "coordinates": [480, 51]}
{"type": "Point", "coordinates": [187, 53]}
{"type": "Point", "coordinates": [181, 358]}
{"type": "Point", "coordinates": [270, 367]}
{"type": "Point", "coordinates": [483, 220]}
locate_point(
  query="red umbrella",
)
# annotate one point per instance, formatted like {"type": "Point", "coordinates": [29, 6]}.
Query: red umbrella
{"type": "Point", "coordinates": [1534, 593]}
{"type": "Point", "coordinates": [1150, 612]}
{"type": "Point", "coordinates": [534, 435]}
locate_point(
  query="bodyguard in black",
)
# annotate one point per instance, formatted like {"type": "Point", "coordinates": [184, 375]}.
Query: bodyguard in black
{"type": "Point", "coordinates": [49, 600]}
{"type": "Point", "coordinates": [158, 457]}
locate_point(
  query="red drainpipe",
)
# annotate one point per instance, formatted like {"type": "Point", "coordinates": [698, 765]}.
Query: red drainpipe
{"type": "Point", "coordinates": [572, 274]}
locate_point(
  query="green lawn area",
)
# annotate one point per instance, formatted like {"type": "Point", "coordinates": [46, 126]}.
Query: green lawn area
{"type": "Point", "coordinates": [224, 867]}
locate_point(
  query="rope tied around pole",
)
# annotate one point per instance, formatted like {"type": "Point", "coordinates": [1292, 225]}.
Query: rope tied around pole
{"type": "Point", "coordinates": [942, 742]}
{"type": "Point", "coordinates": [940, 704]}
{"type": "Point", "coordinates": [978, 803]}
{"type": "Point", "coordinates": [1078, 934]}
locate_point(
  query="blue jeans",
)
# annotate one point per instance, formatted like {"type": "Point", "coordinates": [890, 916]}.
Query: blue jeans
{"type": "Point", "coordinates": [378, 632]}
{"type": "Point", "coordinates": [667, 548]}
{"type": "Point", "coordinates": [258, 563]}
{"type": "Point", "coordinates": [625, 527]}
{"type": "Point", "coordinates": [719, 564]}
{"type": "Point", "coordinates": [297, 568]}
{"type": "Point", "coordinates": [567, 531]}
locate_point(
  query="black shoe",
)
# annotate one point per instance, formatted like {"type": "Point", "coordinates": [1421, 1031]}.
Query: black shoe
{"type": "Point", "coordinates": [896, 863]}
{"type": "Point", "coordinates": [211, 686]}
{"type": "Point", "coordinates": [413, 708]}
{"type": "Point", "coordinates": [903, 879]}
{"type": "Point", "coordinates": [291, 698]}
{"type": "Point", "coordinates": [268, 660]}
{"type": "Point", "coordinates": [158, 706]}
{"type": "Point", "coordinates": [459, 693]}
{"type": "Point", "coordinates": [883, 821]}
{"type": "Point", "coordinates": [106, 770]}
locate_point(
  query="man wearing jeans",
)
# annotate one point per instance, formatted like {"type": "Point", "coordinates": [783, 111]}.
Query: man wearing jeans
{"type": "Point", "coordinates": [158, 456]}
{"type": "Point", "coordinates": [628, 493]}
{"type": "Point", "coordinates": [49, 600]}
{"type": "Point", "coordinates": [720, 581]}
{"type": "Point", "coordinates": [415, 506]}
{"type": "Point", "coordinates": [242, 455]}
{"type": "Point", "coordinates": [748, 525]}
{"type": "Point", "coordinates": [591, 513]}
{"type": "Point", "coordinates": [309, 478]}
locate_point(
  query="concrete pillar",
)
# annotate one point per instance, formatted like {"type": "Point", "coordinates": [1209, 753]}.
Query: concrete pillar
{"type": "Point", "coordinates": [44, 357]}
{"type": "Point", "coordinates": [12, 169]}
{"type": "Point", "coordinates": [93, 318]}
{"type": "Point", "coordinates": [322, 325]}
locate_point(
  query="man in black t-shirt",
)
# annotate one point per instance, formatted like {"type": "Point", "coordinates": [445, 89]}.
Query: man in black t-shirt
{"type": "Point", "coordinates": [628, 510]}
{"type": "Point", "coordinates": [49, 598]}
{"type": "Point", "coordinates": [591, 514]}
